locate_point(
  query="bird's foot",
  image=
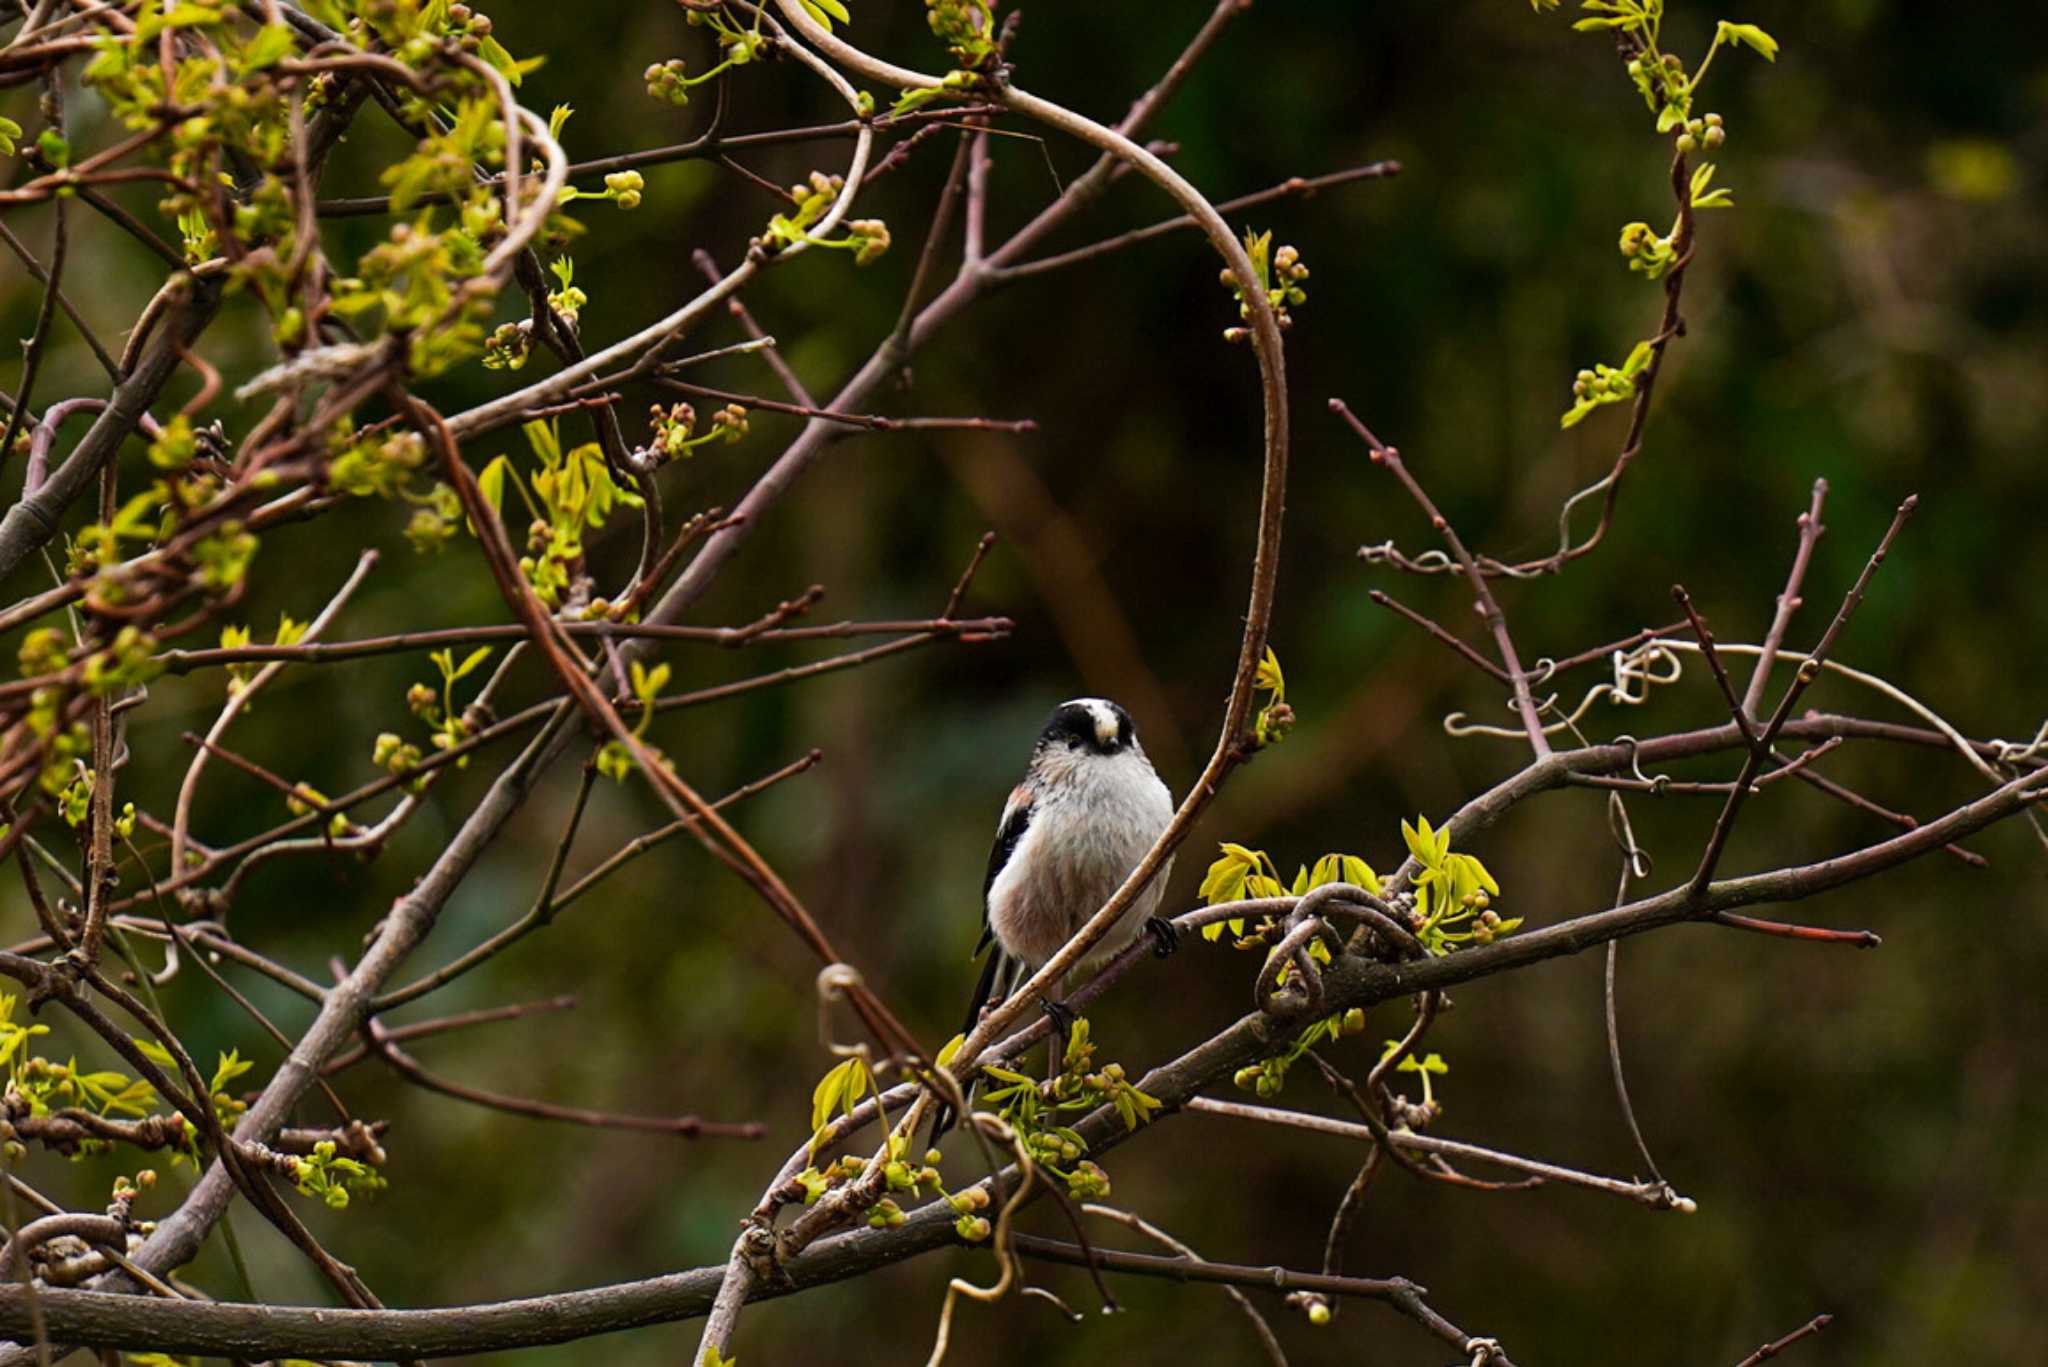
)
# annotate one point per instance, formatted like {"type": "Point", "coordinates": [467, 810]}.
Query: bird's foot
{"type": "Point", "coordinates": [1062, 1017]}
{"type": "Point", "coordinates": [1165, 938]}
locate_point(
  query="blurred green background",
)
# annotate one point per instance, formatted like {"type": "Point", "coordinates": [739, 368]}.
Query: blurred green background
{"type": "Point", "coordinates": [1862, 1130]}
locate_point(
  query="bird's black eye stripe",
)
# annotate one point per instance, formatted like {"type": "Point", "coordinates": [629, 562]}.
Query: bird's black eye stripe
{"type": "Point", "coordinates": [1069, 726]}
{"type": "Point", "coordinates": [1077, 726]}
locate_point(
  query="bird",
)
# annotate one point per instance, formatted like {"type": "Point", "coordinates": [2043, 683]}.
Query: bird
{"type": "Point", "coordinates": [1089, 808]}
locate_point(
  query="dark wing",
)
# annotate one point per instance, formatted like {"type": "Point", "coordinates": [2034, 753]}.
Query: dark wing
{"type": "Point", "coordinates": [1016, 820]}
{"type": "Point", "coordinates": [1010, 830]}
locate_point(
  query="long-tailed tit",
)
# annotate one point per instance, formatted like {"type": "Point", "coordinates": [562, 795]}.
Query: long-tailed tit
{"type": "Point", "coordinates": [1088, 809]}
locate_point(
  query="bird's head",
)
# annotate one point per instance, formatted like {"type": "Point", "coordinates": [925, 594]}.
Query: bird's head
{"type": "Point", "coordinates": [1090, 726]}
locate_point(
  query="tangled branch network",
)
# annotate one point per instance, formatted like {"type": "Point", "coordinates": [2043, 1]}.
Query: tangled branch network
{"type": "Point", "coordinates": [600, 555]}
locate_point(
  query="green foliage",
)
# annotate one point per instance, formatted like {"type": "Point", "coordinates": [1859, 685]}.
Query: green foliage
{"type": "Point", "coordinates": [128, 661]}
{"type": "Point", "coordinates": [436, 707]}
{"type": "Point", "coordinates": [423, 282]}
{"type": "Point", "coordinates": [74, 801]}
{"type": "Point", "coordinates": [1280, 274]}
{"type": "Point", "coordinates": [811, 199]}
{"type": "Point", "coordinates": [174, 445]}
{"type": "Point", "coordinates": [966, 27]}
{"type": "Point", "coordinates": [825, 11]}
{"type": "Point", "coordinates": [1036, 1111]}
{"type": "Point", "coordinates": [1240, 873]}
{"type": "Point", "coordinates": [1667, 90]}
{"type": "Point", "coordinates": [508, 346]}
{"type": "Point", "coordinates": [450, 728]}
{"type": "Point", "coordinates": [9, 131]}
{"type": "Point", "coordinates": [188, 484]}
{"type": "Point", "coordinates": [1651, 255]}
{"type": "Point", "coordinates": [398, 757]}
{"type": "Point", "coordinates": [837, 1091]}
{"type": "Point", "coordinates": [15, 1038]}
{"type": "Point", "coordinates": [63, 748]}
{"type": "Point", "coordinates": [236, 637]}
{"type": "Point", "coordinates": [196, 234]}
{"type": "Point", "coordinates": [568, 301]}
{"type": "Point", "coordinates": [671, 82]}
{"type": "Point", "coordinates": [418, 282]}
{"type": "Point", "coordinates": [1275, 718]}
{"type": "Point", "coordinates": [572, 492]}
{"type": "Point", "coordinates": [332, 1179]}
{"type": "Point", "coordinates": [1268, 1076]}
{"type": "Point", "coordinates": [951, 86]}
{"type": "Point", "coordinates": [1451, 890]}
{"type": "Point", "coordinates": [41, 652]}
{"type": "Point", "coordinates": [1428, 1066]}
{"type": "Point", "coordinates": [623, 188]}
{"type": "Point", "coordinates": [375, 467]}
{"type": "Point", "coordinates": [48, 1086]}
{"type": "Point", "coordinates": [435, 519]}
{"type": "Point", "coordinates": [675, 428]}
{"type": "Point", "coordinates": [1605, 384]}
{"type": "Point", "coordinates": [1659, 76]}
{"type": "Point", "coordinates": [224, 556]}
{"type": "Point", "coordinates": [614, 761]}
{"type": "Point", "coordinates": [1450, 905]}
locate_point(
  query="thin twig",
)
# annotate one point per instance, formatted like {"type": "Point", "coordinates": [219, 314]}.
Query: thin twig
{"type": "Point", "coordinates": [1777, 1346]}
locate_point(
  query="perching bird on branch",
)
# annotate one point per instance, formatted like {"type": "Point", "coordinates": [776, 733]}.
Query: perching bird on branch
{"type": "Point", "coordinates": [1088, 809]}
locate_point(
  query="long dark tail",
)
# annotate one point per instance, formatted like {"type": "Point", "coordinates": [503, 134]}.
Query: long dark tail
{"type": "Point", "coordinates": [996, 981]}
{"type": "Point", "coordinates": [984, 989]}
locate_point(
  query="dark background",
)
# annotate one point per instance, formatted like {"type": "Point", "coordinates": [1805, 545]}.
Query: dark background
{"type": "Point", "coordinates": [1861, 1129]}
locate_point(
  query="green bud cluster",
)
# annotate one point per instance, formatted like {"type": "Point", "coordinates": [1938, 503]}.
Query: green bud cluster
{"type": "Point", "coordinates": [966, 27]}
{"type": "Point", "coordinates": [1280, 273]}
{"type": "Point", "coordinates": [625, 188]}
{"type": "Point", "coordinates": [508, 346]}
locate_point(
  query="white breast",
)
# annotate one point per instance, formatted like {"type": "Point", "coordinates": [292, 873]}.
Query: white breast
{"type": "Point", "coordinates": [1090, 824]}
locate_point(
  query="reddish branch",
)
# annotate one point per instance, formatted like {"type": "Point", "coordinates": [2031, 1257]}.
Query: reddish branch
{"type": "Point", "coordinates": [380, 1043]}
{"type": "Point", "coordinates": [1777, 1346]}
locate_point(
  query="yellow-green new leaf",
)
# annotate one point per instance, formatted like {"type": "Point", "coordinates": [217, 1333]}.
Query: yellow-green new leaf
{"type": "Point", "coordinates": [1269, 675]}
{"type": "Point", "coordinates": [1359, 873]}
{"type": "Point", "coordinates": [1422, 842]}
{"type": "Point", "coordinates": [491, 484]}
{"type": "Point", "coordinates": [270, 45]}
{"type": "Point", "coordinates": [1750, 36]}
{"type": "Point", "coordinates": [470, 662]}
{"type": "Point", "coordinates": [825, 11]}
{"type": "Point", "coordinates": [1264, 885]}
{"type": "Point", "coordinates": [1226, 878]}
{"type": "Point", "coordinates": [838, 1089]}
{"type": "Point", "coordinates": [155, 1053]}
